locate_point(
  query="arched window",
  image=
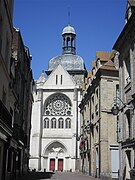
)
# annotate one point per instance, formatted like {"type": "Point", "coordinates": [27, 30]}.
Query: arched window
{"type": "Point", "coordinates": [53, 123]}
{"type": "Point", "coordinates": [60, 123]}
{"type": "Point", "coordinates": [68, 123]}
{"type": "Point", "coordinates": [68, 42]}
{"type": "Point", "coordinates": [46, 123]}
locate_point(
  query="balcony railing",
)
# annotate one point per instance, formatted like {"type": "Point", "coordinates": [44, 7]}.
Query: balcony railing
{"type": "Point", "coordinates": [69, 49]}
{"type": "Point", "coordinates": [5, 116]}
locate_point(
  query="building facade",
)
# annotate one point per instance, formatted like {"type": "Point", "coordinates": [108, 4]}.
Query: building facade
{"type": "Point", "coordinates": [125, 45]}
{"type": "Point", "coordinates": [6, 35]}
{"type": "Point", "coordinates": [55, 113]}
{"type": "Point", "coordinates": [99, 150]}
{"type": "Point", "coordinates": [21, 84]}
{"type": "Point", "coordinates": [14, 113]}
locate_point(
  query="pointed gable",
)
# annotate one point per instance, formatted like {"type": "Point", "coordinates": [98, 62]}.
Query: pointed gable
{"type": "Point", "coordinates": [59, 78]}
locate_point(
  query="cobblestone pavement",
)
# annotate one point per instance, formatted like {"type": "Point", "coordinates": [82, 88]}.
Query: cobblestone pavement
{"type": "Point", "coordinates": [56, 176]}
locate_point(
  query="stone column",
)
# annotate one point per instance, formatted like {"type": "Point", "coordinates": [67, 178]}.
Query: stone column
{"type": "Point", "coordinates": [71, 41]}
{"type": "Point", "coordinates": [63, 43]}
{"type": "Point", "coordinates": [75, 42]}
{"type": "Point", "coordinates": [66, 42]}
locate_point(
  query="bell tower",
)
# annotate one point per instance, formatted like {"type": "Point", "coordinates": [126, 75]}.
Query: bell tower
{"type": "Point", "coordinates": [69, 40]}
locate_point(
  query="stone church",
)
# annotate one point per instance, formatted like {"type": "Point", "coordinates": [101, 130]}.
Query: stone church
{"type": "Point", "coordinates": [55, 115]}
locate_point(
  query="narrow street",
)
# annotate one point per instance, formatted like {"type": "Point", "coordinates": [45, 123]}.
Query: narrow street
{"type": "Point", "coordinates": [71, 176]}
{"type": "Point", "coordinates": [57, 176]}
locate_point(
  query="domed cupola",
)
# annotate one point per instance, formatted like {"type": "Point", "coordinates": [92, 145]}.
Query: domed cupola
{"type": "Point", "coordinates": [69, 40]}
{"type": "Point", "coordinates": [71, 62]}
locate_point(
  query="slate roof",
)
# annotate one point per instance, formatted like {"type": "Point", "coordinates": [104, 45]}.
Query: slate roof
{"type": "Point", "coordinates": [68, 61]}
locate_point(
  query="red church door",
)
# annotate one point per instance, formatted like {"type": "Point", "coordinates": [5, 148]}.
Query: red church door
{"type": "Point", "coordinates": [52, 164]}
{"type": "Point", "coordinates": [60, 164]}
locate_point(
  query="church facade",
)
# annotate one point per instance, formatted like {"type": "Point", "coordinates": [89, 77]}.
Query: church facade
{"type": "Point", "coordinates": [55, 114]}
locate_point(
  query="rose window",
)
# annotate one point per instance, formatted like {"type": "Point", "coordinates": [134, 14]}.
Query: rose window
{"type": "Point", "coordinates": [59, 105]}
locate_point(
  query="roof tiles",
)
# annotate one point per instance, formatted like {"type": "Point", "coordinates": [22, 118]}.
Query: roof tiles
{"type": "Point", "coordinates": [103, 56]}
{"type": "Point", "coordinates": [109, 65]}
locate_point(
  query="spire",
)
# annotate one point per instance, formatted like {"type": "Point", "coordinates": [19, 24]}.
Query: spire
{"type": "Point", "coordinates": [68, 15]}
{"type": "Point", "coordinates": [69, 38]}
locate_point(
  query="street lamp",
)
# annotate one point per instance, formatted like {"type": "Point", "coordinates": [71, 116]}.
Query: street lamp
{"type": "Point", "coordinates": [115, 108]}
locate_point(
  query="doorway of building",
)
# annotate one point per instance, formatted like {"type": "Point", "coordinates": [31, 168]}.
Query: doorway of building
{"type": "Point", "coordinates": [60, 164]}
{"type": "Point", "coordinates": [52, 164]}
{"type": "Point", "coordinates": [115, 162]}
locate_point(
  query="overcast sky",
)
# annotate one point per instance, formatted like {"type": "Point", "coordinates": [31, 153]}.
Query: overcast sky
{"type": "Point", "coordinates": [97, 23]}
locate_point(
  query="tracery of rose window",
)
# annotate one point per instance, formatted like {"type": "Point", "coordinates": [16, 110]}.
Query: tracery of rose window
{"type": "Point", "coordinates": [58, 105]}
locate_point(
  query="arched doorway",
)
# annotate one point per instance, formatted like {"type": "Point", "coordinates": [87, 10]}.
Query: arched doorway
{"type": "Point", "coordinates": [55, 156]}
